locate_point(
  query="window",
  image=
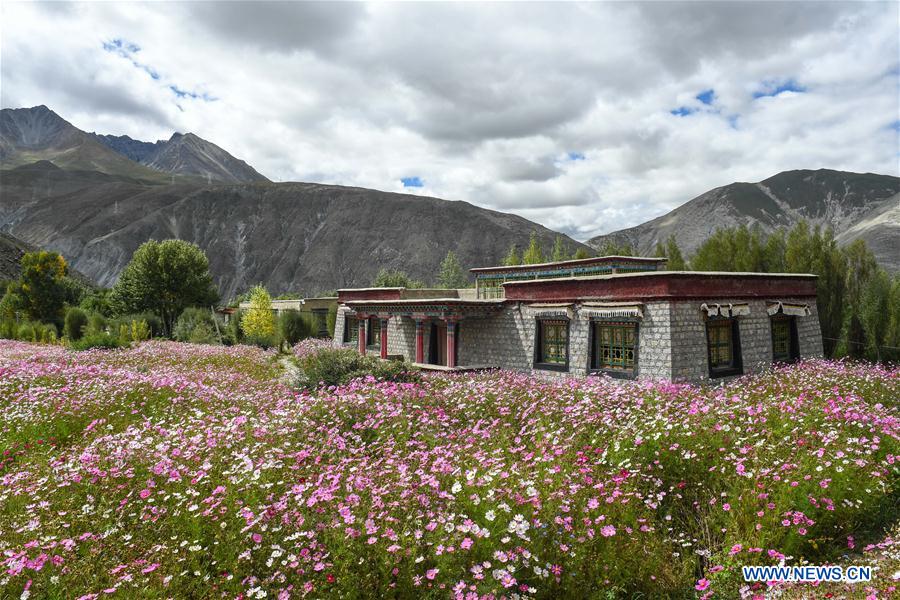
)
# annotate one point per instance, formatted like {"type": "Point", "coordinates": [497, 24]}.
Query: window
{"type": "Point", "coordinates": [490, 288]}
{"type": "Point", "coordinates": [351, 329]}
{"type": "Point", "coordinates": [614, 347]}
{"type": "Point", "coordinates": [784, 338]}
{"type": "Point", "coordinates": [552, 344]}
{"type": "Point", "coordinates": [373, 332]}
{"type": "Point", "coordinates": [724, 347]}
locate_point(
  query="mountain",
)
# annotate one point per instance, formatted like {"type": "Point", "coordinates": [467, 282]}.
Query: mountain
{"type": "Point", "coordinates": [855, 205]}
{"type": "Point", "coordinates": [190, 155]}
{"type": "Point", "coordinates": [28, 135]}
{"type": "Point", "coordinates": [11, 251]}
{"type": "Point", "coordinates": [301, 237]}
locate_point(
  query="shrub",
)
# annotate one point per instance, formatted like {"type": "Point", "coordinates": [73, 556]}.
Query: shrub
{"type": "Point", "coordinates": [233, 334]}
{"type": "Point", "coordinates": [76, 321]}
{"type": "Point", "coordinates": [203, 333]}
{"type": "Point", "coordinates": [153, 322]}
{"type": "Point", "coordinates": [26, 333]}
{"type": "Point", "coordinates": [258, 323]}
{"type": "Point", "coordinates": [97, 340]}
{"type": "Point", "coordinates": [189, 320]}
{"type": "Point", "coordinates": [293, 326]}
{"type": "Point", "coordinates": [8, 329]}
{"type": "Point", "coordinates": [140, 331]}
{"type": "Point", "coordinates": [96, 324]}
{"type": "Point", "coordinates": [337, 366]}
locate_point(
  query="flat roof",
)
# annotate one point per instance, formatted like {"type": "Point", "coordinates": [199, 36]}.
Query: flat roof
{"type": "Point", "coordinates": [473, 301]}
{"type": "Point", "coordinates": [570, 263]}
{"type": "Point", "coordinates": [661, 274]}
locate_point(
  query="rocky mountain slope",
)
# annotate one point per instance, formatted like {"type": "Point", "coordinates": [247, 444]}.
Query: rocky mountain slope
{"type": "Point", "coordinates": [855, 205]}
{"type": "Point", "coordinates": [28, 135]}
{"type": "Point", "coordinates": [301, 237]}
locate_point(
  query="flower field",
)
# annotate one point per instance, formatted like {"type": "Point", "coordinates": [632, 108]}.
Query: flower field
{"type": "Point", "coordinates": [175, 470]}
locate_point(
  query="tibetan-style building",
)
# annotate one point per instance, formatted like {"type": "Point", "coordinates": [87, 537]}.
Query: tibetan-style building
{"type": "Point", "coordinates": [624, 316]}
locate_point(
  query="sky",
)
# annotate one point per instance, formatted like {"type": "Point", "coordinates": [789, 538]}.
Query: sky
{"type": "Point", "coordinates": [584, 117]}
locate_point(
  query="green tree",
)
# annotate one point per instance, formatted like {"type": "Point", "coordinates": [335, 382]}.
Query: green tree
{"type": "Point", "coordinates": [293, 327]}
{"type": "Point", "coordinates": [42, 289]}
{"type": "Point", "coordinates": [395, 278]}
{"type": "Point", "coordinates": [164, 278]}
{"type": "Point", "coordinates": [512, 257]}
{"type": "Point", "coordinates": [76, 321]}
{"type": "Point", "coordinates": [892, 337]}
{"type": "Point", "coordinates": [190, 319]}
{"type": "Point", "coordinates": [258, 322]}
{"type": "Point", "coordinates": [98, 301]}
{"type": "Point", "coordinates": [860, 268]}
{"type": "Point", "coordinates": [875, 312]}
{"type": "Point", "coordinates": [560, 252]}
{"type": "Point", "coordinates": [452, 275]}
{"type": "Point", "coordinates": [534, 254]}
{"type": "Point", "coordinates": [673, 253]}
{"type": "Point", "coordinates": [611, 248]}
{"type": "Point", "coordinates": [580, 254]}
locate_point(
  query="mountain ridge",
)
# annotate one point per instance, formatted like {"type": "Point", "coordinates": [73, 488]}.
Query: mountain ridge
{"type": "Point", "coordinates": [854, 205]}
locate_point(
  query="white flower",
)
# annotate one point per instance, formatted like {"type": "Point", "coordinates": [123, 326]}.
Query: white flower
{"type": "Point", "coordinates": [456, 487]}
{"type": "Point", "coordinates": [490, 516]}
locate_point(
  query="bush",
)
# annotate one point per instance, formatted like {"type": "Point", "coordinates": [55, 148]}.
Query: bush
{"type": "Point", "coordinates": [153, 322]}
{"type": "Point", "coordinates": [189, 320]}
{"type": "Point", "coordinates": [97, 340]}
{"type": "Point", "coordinates": [293, 326]}
{"type": "Point", "coordinates": [96, 324]}
{"type": "Point", "coordinates": [203, 333]}
{"type": "Point", "coordinates": [26, 333]}
{"type": "Point", "coordinates": [8, 329]}
{"type": "Point", "coordinates": [337, 366]}
{"type": "Point", "coordinates": [75, 323]}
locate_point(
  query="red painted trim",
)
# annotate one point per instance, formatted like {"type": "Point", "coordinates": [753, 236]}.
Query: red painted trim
{"type": "Point", "coordinates": [451, 344]}
{"type": "Point", "coordinates": [420, 341]}
{"type": "Point", "coordinates": [668, 286]}
{"type": "Point", "coordinates": [384, 334]}
{"type": "Point", "coordinates": [369, 294]}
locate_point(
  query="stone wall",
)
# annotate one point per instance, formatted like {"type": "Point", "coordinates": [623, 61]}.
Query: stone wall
{"type": "Point", "coordinates": [671, 338]}
{"type": "Point", "coordinates": [689, 353]}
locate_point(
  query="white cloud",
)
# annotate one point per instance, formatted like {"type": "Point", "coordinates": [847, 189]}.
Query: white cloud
{"type": "Point", "coordinates": [482, 102]}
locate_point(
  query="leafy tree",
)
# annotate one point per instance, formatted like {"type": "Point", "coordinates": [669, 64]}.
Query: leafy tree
{"type": "Point", "coordinates": [875, 312]}
{"type": "Point", "coordinates": [512, 257]}
{"type": "Point", "coordinates": [42, 290]}
{"type": "Point", "coordinates": [581, 253]}
{"type": "Point", "coordinates": [673, 253]}
{"type": "Point", "coordinates": [190, 319]}
{"type": "Point", "coordinates": [165, 278]}
{"type": "Point", "coordinates": [611, 248]}
{"type": "Point", "coordinates": [774, 252]}
{"type": "Point", "coordinates": [534, 254]}
{"type": "Point", "coordinates": [98, 301]}
{"type": "Point", "coordinates": [76, 321]}
{"type": "Point", "coordinates": [258, 323]}
{"type": "Point", "coordinates": [395, 278]}
{"type": "Point", "coordinates": [860, 268]}
{"type": "Point", "coordinates": [293, 327]}
{"type": "Point", "coordinates": [452, 275]}
{"type": "Point", "coordinates": [892, 337]}
{"type": "Point", "coordinates": [560, 252]}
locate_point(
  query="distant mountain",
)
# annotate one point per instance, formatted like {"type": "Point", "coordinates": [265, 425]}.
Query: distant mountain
{"type": "Point", "coordinates": [855, 205]}
{"type": "Point", "coordinates": [12, 249]}
{"type": "Point", "coordinates": [28, 135]}
{"type": "Point", "coordinates": [301, 237]}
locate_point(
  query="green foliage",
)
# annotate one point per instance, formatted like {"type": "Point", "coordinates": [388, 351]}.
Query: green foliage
{"type": "Point", "coordinates": [331, 320]}
{"type": "Point", "coordinates": [387, 278]}
{"type": "Point", "coordinates": [76, 322]}
{"type": "Point", "coordinates": [98, 340]}
{"type": "Point", "coordinates": [258, 323]}
{"type": "Point", "coordinates": [42, 290]}
{"type": "Point", "coordinates": [190, 319]}
{"type": "Point", "coordinates": [232, 333]}
{"type": "Point", "coordinates": [581, 253]}
{"type": "Point", "coordinates": [534, 254]}
{"type": "Point", "coordinates": [165, 278]}
{"type": "Point", "coordinates": [140, 331]}
{"type": "Point", "coordinates": [294, 326]}
{"type": "Point", "coordinates": [513, 258]}
{"type": "Point", "coordinates": [452, 275]}
{"type": "Point", "coordinates": [875, 312]}
{"type": "Point", "coordinates": [560, 252]}
{"type": "Point", "coordinates": [7, 329]}
{"type": "Point", "coordinates": [97, 325]}
{"type": "Point", "coordinates": [153, 322]}
{"type": "Point", "coordinates": [98, 301]}
{"type": "Point", "coordinates": [611, 248]}
{"type": "Point", "coordinates": [336, 366]}
{"type": "Point", "coordinates": [671, 251]}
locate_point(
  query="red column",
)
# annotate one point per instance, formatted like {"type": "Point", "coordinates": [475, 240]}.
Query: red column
{"type": "Point", "coordinates": [362, 334]}
{"type": "Point", "coordinates": [384, 333]}
{"type": "Point", "coordinates": [451, 344]}
{"type": "Point", "coordinates": [420, 341]}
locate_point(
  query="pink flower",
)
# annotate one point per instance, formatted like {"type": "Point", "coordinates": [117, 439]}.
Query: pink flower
{"type": "Point", "coordinates": [145, 493]}
{"type": "Point", "coordinates": [150, 569]}
{"type": "Point", "coordinates": [735, 549]}
{"type": "Point", "coordinates": [257, 538]}
{"type": "Point", "coordinates": [608, 531]}
{"type": "Point", "coordinates": [702, 584]}
{"type": "Point", "coordinates": [430, 574]}
{"type": "Point", "coordinates": [726, 507]}
{"type": "Point", "coordinates": [466, 543]}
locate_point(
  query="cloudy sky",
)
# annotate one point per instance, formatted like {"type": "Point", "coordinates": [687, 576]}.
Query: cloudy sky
{"type": "Point", "coordinates": [584, 117]}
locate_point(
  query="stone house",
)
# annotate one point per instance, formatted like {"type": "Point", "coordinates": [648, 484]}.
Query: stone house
{"type": "Point", "coordinates": [624, 316]}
